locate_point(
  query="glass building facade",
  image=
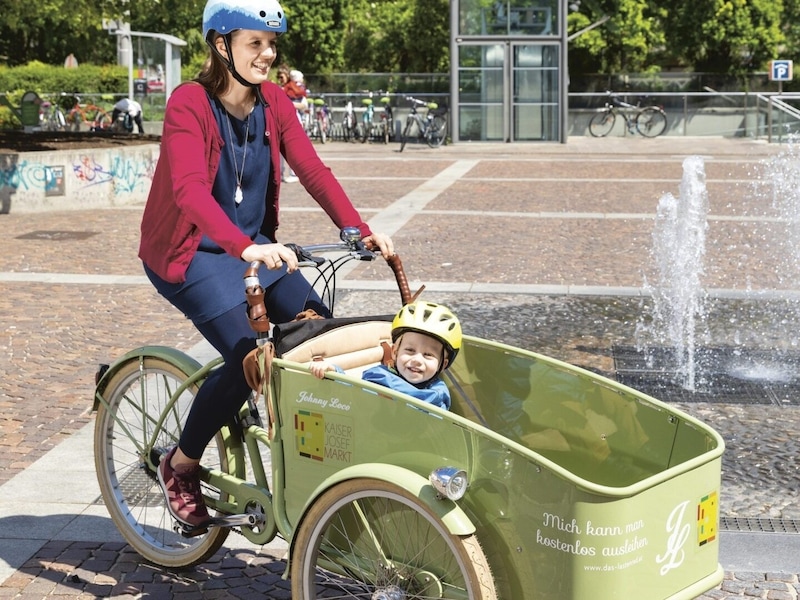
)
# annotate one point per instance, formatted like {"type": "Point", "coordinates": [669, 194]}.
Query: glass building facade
{"type": "Point", "coordinates": [508, 67]}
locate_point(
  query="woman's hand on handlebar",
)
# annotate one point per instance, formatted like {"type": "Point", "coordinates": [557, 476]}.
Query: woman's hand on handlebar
{"type": "Point", "coordinates": [382, 242]}
{"type": "Point", "coordinates": [272, 255]}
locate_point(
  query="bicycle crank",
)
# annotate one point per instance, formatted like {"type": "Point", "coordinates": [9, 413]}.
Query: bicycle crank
{"type": "Point", "coordinates": [250, 519]}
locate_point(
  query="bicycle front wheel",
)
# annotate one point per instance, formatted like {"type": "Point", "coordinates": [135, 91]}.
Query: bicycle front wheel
{"type": "Point", "coordinates": [602, 123]}
{"type": "Point", "coordinates": [437, 131]}
{"type": "Point", "coordinates": [363, 132]}
{"type": "Point", "coordinates": [127, 451]}
{"type": "Point", "coordinates": [406, 134]}
{"type": "Point", "coordinates": [651, 121]}
{"type": "Point", "coordinates": [368, 539]}
{"type": "Point", "coordinates": [60, 120]}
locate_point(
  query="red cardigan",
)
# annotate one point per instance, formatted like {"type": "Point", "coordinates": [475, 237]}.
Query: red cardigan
{"type": "Point", "coordinates": [180, 207]}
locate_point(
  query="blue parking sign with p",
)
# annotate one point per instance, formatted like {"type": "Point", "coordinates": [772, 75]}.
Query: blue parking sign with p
{"type": "Point", "coordinates": [780, 70]}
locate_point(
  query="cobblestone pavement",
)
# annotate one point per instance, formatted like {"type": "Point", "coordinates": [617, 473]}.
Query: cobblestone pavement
{"type": "Point", "coordinates": [529, 244]}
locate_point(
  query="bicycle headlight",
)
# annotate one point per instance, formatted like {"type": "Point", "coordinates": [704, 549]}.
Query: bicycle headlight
{"type": "Point", "coordinates": [449, 482]}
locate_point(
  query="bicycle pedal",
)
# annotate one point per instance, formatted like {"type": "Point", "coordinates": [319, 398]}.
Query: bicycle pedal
{"type": "Point", "coordinates": [189, 531]}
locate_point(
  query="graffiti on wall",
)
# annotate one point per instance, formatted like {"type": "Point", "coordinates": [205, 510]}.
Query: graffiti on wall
{"type": "Point", "coordinates": [31, 176]}
{"type": "Point", "coordinates": [125, 174]}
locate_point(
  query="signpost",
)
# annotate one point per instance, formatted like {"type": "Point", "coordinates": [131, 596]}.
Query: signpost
{"type": "Point", "coordinates": [780, 71]}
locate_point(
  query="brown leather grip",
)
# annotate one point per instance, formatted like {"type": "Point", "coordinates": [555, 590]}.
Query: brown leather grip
{"type": "Point", "coordinates": [402, 282]}
{"type": "Point", "coordinates": [256, 310]}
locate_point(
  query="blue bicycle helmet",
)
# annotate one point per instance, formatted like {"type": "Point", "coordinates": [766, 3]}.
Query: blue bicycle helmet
{"type": "Point", "coordinates": [225, 16]}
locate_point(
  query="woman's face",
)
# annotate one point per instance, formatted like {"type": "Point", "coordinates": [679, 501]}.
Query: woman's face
{"type": "Point", "coordinates": [253, 53]}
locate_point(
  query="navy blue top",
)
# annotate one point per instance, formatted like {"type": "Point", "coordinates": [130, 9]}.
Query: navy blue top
{"type": "Point", "coordinates": [214, 283]}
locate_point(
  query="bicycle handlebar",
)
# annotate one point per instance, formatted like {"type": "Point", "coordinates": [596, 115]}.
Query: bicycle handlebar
{"type": "Point", "coordinates": [351, 244]}
{"type": "Point", "coordinates": [416, 101]}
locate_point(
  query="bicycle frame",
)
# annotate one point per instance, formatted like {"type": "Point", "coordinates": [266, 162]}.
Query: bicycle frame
{"type": "Point", "coordinates": [357, 501]}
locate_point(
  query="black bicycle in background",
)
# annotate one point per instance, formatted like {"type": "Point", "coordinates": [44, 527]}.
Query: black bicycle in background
{"type": "Point", "coordinates": [650, 120]}
{"type": "Point", "coordinates": [430, 126]}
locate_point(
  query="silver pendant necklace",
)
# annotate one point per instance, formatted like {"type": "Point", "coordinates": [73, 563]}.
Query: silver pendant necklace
{"type": "Point", "coordinates": [238, 196]}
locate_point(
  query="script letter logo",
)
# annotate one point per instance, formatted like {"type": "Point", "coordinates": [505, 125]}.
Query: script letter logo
{"type": "Point", "coordinates": [678, 534]}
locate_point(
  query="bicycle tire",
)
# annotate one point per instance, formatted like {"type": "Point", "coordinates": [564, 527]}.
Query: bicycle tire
{"type": "Point", "coordinates": [126, 463]}
{"type": "Point", "coordinates": [348, 128]}
{"type": "Point", "coordinates": [651, 121]}
{"type": "Point", "coordinates": [437, 131]}
{"type": "Point", "coordinates": [602, 123]}
{"type": "Point", "coordinates": [352, 529]}
{"type": "Point", "coordinates": [61, 121]}
{"type": "Point", "coordinates": [101, 121]}
{"type": "Point", "coordinates": [406, 133]}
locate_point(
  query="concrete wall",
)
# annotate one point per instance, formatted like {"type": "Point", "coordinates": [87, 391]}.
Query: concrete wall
{"type": "Point", "coordinates": [67, 179]}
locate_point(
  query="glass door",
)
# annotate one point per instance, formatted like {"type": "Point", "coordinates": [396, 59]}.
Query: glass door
{"type": "Point", "coordinates": [508, 91]}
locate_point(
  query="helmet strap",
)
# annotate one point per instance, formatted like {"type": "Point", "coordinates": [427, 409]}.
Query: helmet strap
{"type": "Point", "coordinates": [228, 62]}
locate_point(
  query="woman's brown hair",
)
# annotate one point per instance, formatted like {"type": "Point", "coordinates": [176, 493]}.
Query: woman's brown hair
{"type": "Point", "coordinates": [214, 74]}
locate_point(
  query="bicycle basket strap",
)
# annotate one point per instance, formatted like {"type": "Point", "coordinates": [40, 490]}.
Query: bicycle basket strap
{"type": "Point", "coordinates": [257, 366]}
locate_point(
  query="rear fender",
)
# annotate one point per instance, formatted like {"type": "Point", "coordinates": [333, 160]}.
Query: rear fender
{"type": "Point", "coordinates": [181, 360]}
{"type": "Point", "coordinates": [452, 516]}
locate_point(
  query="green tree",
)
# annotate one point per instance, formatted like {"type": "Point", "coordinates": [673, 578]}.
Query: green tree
{"type": "Point", "coordinates": [724, 36]}
{"type": "Point", "coordinates": [624, 43]}
{"type": "Point", "coordinates": [428, 38]}
{"type": "Point", "coordinates": [313, 42]}
{"type": "Point", "coordinates": [50, 30]}
{"type": "Point", "coordinates": [375, 36]}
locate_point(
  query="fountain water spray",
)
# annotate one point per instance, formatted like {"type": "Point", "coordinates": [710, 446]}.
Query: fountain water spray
{"type": "Point", "coordinates": [679, 245]}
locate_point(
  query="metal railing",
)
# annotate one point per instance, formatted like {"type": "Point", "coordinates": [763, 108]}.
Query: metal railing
{"type": "Point", "coordinates": [728, 114]}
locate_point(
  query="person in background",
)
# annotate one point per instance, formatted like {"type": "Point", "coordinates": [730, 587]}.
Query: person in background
{"type": "Point", "coordinates": [132, 108]}
{"type": "Point", "coordinates": [213, 208]}
{"type": "Point", "coordinates": [297, 94]}
{"type": "Point", "coordinates": [426, 338]}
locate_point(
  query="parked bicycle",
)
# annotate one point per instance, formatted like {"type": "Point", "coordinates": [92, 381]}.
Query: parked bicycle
{"type": "Point", "coordinates": [650, 121]}
{"type": "Point", "coordinates": [321, 126]}
{"type": "Point", "coordinates": [387, 119]}
{"type": "Point", "coordinates": [51, 117]}
{"type": "Point", "coordinates": [366, 126]}
{"type": "Point", "coordinates": [431, 127]}
{"type": "Point", "coordinates": [88, 115]}
{"type": "Point", "coordinates": [349, 123]}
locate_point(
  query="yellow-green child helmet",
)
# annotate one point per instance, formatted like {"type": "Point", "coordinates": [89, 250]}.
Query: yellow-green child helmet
{"type": "Point", "coordinates": [432, 319]}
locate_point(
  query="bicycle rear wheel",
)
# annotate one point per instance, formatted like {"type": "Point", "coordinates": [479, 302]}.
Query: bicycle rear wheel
{"type": "Point", "coordinates": [102, 120]}
{"type": "Point", "coordinates": [602, 123]}
{"type": "Point", "coordinates": [366, 538]}
{"type": "Point", "coordinates": [437, 131]}
{"type": "Point", "coordinates": [126, 461]}
{"type": "Point", "coordinates": [651, 121]}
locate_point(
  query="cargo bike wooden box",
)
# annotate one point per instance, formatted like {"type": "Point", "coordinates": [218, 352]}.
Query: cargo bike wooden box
{"type": "Point", "coordinates": [543, 482]}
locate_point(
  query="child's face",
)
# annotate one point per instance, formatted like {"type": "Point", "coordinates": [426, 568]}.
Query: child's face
{"type": "Point", "coordinates": [417, 356]}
